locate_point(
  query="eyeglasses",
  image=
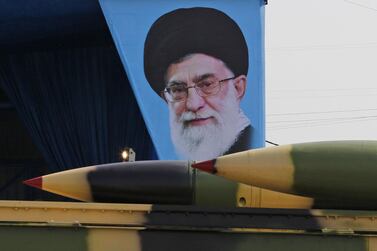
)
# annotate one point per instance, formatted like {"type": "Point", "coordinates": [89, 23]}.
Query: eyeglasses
{"type": "Point", "coordinates": [178, 92]}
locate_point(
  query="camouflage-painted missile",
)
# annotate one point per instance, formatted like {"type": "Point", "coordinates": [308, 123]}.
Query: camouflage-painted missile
{"type": "Point", "coordinates": [160, 182]}
{"type": "Point", "coordinates": [138, 182]}
{"type": "Point", "coordinates": [340, 170]}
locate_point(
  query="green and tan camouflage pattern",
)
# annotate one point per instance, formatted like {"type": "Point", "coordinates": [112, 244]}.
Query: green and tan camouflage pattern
{"type": "Point", "coordinates": [345, 170]}
{"type": "Point", "coordinates": [119, 183]}
{"type": "Point", "coordinates": [335, 174]}
{"type": "Point", "coordinates": [216, 191]}
{"type": "Point", "coordinates": [99, 226]}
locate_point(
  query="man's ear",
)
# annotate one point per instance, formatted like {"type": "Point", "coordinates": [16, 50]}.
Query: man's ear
{"type": "Point", "coordinates": [240, 85]}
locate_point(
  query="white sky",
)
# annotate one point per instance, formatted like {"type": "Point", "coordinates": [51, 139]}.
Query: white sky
{"type": "Point", "coordinates": [321, 70]}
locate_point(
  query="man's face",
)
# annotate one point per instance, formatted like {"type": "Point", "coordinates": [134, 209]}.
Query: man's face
{"type": "Point", "coordinates": [204, 127]}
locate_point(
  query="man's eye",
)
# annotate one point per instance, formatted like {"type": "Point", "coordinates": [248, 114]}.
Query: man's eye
{"type": "Point", "coordinates": [177, 89]}
{"type": "Point", "coordinates": [206, 84]}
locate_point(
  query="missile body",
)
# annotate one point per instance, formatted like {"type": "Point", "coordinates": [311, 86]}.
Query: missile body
{"type": "Point", "coordinates": [160, 182]}
{"type": "Point", "coordinates": [345, 171]}
{"type": "Point", "coordinates": [138, 182]}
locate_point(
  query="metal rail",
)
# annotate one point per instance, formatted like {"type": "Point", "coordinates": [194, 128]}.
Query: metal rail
{"type": "Point", "coordinates": [145, 216]}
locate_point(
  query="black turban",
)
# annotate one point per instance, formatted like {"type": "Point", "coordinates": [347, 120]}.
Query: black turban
{"type": "Point", "coordinates": [194, 30]}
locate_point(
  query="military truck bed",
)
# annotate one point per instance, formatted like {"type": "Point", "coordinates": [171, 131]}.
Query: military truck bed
{"type": "Point", "coordinates": [30, 225]}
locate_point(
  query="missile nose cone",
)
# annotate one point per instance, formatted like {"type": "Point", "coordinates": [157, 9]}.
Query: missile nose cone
{"type": "Point", "coordinates": [206, 166]}
{"type": "Point", "coordinates": [35, 182]}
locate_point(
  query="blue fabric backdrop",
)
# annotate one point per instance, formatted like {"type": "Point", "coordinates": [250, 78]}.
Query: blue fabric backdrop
{"type": "Point", "coordinates": [77, 105]}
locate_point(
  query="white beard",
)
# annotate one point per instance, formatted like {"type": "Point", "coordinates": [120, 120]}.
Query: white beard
{"type": "Point", "coordinates": [207, 141]}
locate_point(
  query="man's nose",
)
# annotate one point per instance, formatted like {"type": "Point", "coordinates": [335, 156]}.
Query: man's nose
{"type": "Point", "coordinates": [194, 102]}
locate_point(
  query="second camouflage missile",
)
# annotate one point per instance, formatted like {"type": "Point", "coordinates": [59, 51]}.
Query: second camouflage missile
{"type": "Point", "coordinates": [339, 170]}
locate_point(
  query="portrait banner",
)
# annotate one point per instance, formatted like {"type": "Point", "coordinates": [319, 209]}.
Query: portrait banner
{"type": "Point", "coordinates": [197, 72]}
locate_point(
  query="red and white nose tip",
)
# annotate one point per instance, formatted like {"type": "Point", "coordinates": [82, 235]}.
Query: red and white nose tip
{"type": "Point", "coordinates": [35, 182]}
{"type": "Point", "coordinates": [206, 166]}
